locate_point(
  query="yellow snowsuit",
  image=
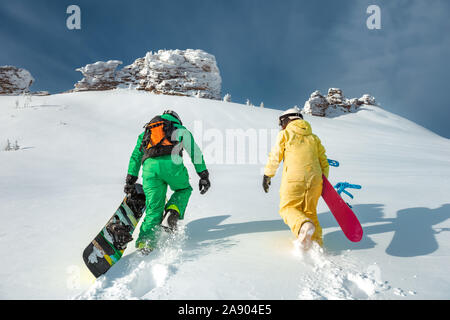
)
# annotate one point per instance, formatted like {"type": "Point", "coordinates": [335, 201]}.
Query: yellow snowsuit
{"type": "Point", "coordinates": [304, 161]}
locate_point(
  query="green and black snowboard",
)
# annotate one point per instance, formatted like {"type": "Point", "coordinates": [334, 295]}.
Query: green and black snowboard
{"type": "Point", "coordinates": [108, 246]}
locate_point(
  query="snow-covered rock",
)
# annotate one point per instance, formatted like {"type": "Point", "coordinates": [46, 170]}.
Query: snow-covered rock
{"type": "Point", "coordinates": [316, 105]}
{"type": "Point", "coordinates": [173, 72]}
{"type": "Point", "coordinates": [367, 99]}
{"type": "Point", "coordinates": [334, 104]}
{"type": "Point", "coordinates": [335, 96]}
{"type": "Point", "coordinates": [98, 76]}
{"type": "Point", "coordinates": [14, 80]}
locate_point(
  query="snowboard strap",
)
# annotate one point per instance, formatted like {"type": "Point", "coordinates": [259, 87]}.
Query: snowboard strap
{"type": "Point", "coordinates": [341, 186]}
{"type": "Point", "coordinates": [120, 233]}
{"type": "Point", "coordinates": [333, 163]}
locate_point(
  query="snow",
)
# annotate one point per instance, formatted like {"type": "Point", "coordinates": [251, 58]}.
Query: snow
{"type": "Point", "coordinates": [66, 181]}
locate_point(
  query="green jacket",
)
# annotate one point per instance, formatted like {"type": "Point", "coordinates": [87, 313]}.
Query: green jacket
{"type": "Point", "coordinates": [184, 136]}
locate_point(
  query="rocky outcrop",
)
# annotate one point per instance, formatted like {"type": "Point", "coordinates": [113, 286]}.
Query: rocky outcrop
{"type": "Point", "coordinates": [334, 103]}
{"type": "Point", "coordinates": [316, 105]}
{"type": "Point", "coordinates": [367, 99]}
{"type": "Point", "coordinates": [14, 80]}
{"type": "Point", "coordinates": [174, 72]}
{"type": "Point", "coordinates": [98, 76]}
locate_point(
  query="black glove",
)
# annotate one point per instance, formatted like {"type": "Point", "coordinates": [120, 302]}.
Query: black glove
{"type": "Point", "coordinates": [204, 183]}
{"type": "Point", "coordinates": [129, 184]}
{"type": "Point", "coordinates": [266, 183]}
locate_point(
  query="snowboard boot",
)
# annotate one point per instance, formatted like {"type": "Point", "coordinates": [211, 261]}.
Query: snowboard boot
{"type": "Point", "coordinates": [143, 249]}
{"type": "Point", "coordinates": [304, 236]}
{"type": "Point", "coordinates": [170, 219]}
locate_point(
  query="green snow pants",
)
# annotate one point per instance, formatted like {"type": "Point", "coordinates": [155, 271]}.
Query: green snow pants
{"type": "Point", "coordinates": [158, 173]}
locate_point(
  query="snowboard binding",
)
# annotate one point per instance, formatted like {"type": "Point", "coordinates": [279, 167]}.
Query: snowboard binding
{"type": "Point", "coordinates": [136, 200]}
{"type": "Point", "coordinates": [341, 186]}
{"type": "Point", "coordinates": [120, 234]}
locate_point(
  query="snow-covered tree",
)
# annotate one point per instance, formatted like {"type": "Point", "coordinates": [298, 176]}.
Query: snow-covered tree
{"type": "Point", "coordinates": [227, 98]}
{"type": "Point", "coordinates": [11, 147]}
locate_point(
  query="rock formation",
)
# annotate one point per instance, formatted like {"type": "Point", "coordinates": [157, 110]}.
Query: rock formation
{"type": "Point", "coordinates": [174, 72]}
{"type": "Point", "coordinates": [98, 76]}
{"type": "Point", "coordinates": [334, 103]}
{"type": "Point", "coordinates": [14, 80]}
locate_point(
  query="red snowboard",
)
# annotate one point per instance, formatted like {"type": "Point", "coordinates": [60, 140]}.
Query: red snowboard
{"type": "Point", "coordinates": [342, 212]}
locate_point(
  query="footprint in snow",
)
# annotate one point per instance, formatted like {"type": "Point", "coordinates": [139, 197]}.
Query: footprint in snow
{"type": "Point", "coordinates": [134, 275]}
{"type": "Point", "coordinates": [333, 277]}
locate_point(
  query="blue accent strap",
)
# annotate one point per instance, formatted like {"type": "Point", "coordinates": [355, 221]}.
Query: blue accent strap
{"type": "Point", "coordinates": [341, 186]}
{"type": "Point", "coordinates": [333, 163]}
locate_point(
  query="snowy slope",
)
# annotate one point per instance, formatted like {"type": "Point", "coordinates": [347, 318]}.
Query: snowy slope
{"type": "Point", "coordinates": [66, 180]}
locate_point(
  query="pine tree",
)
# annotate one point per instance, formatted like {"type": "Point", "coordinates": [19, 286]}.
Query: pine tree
{"type": "Point", "coordinates": [8, 145]}
{"type": "Point", "coordinates": [227, 98]}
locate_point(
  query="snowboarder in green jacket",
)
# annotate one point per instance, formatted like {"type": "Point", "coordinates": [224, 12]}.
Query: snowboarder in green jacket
{"type": "Point", "coordinates": [159, 150]}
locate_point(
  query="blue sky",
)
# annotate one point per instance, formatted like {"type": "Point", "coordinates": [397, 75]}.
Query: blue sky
{"type": "Point", "coordinates": [277, 52]}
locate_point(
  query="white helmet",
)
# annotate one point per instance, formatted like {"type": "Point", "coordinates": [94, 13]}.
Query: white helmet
{"type": "Point", "coordinates": [291, 114]}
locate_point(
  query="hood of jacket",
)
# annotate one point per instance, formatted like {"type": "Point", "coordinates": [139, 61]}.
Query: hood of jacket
{"type": "Point", "coordinates": [301, 127]}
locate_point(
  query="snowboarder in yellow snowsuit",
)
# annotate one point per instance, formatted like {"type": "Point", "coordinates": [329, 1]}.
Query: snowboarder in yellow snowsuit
{"type": "Point", "coordinates": [304, 162]}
